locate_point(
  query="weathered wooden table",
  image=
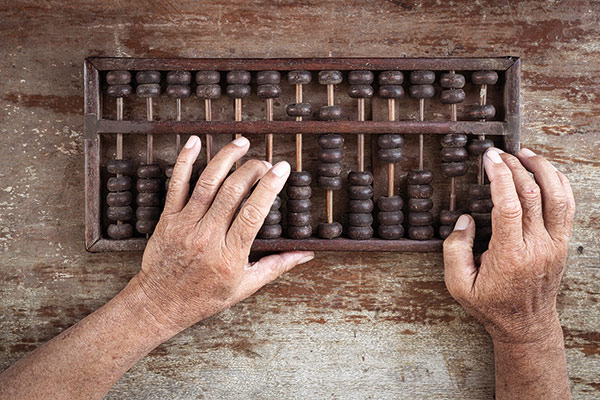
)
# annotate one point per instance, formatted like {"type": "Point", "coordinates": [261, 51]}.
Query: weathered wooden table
{"type": "Point", "coordinates": [346, 325]}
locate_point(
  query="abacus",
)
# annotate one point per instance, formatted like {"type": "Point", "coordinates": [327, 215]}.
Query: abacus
{"type": "Point", "coordinates": [386, 153]}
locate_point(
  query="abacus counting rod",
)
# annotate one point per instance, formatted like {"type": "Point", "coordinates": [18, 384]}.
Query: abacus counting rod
{"type": "Point", "coordinates": [453, 118]}
{"type": "Point", "coordinates": [209, 137]}
{"type": "Point", "coordinates": [237, 117]}
{"type": "Point", "coordinates": [149, 136]}
{"type": "Point", "coordinates": [421, 119]}
{"type": "Point", "coordinates": [119, 135]}
{"type": "Point", "coordinates": [330, 102]}
{"type": "Point", "coordinates": [178, 118]}
{"type": "Point", "coordinates": [299, 135]}
{"type": "Point", "coordinates": [361, 136]}
{"type": "Point", "coordinates": [391, 117]}
{"type": "Point", "coordinates": [480, 169]}
{"type": "Point", "coordinates": [269, 136]}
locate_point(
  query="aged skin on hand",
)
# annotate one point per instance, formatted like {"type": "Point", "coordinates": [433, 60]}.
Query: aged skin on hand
{"type": "Point", "coordinates": [513, 291]}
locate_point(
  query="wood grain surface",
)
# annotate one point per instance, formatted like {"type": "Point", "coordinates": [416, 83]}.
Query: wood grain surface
{"type": "Point", "coordinates": [346, 326]}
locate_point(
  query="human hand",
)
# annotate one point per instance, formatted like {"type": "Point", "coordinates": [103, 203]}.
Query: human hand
{"type": "Point", "coordinates": [513, 292]}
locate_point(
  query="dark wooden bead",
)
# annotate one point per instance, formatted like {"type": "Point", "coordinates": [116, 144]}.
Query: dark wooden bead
{"type": "Point", "coordinates": [390, 141]}
{"type": "Point", "coordinates": [151, 185]}
{"type": "Point", "coordinates": [416, 205]}
{"type": "Point", "coordinates": [149, 171]}
{"type": "Point", "coordinates": [420, 232]}
{"type": "Point", "coordinates": [299, 109]}
{"type": "Point", "coordinates": [420, 177]}
{"type": "Point", "coordinates": [391, 78]}
{"type": "Point", "coordinates": [360, 91]}
{"type": "Point", "coordinates": [299, 192]}
{"type": "Point", "coordinates": [238, 77]}
{"type": "Point", "coordinates": [147, 213]}
{"type": "Point", "coordinates": [391, 155]}
{"type": "Point", "coordinates": [270, 231]}
{"type": "Point", "coordinates": [276, 203]}
{"type": "Point", "coordinates": [238, 91]}
{"type": "Point", "coordinates": [124, 167]}
{"type": "Point", "coordinates": [298, 205]}
{"type": "Point", "coordinates": [452, 96]}
{"type": "Point", "coordinates": [360, 206]}
{"type": "Point", "coordinates": [329, 231]}
{"type": "Point", "coordinates": [360, 219]}
{"type": "Point", "coordinates": [120, 231]}
{"type": "Point", "coordinates": [329, 182]}
{"type": "Point", "coordinates": [148, 90]}
{"type": "Point", "coordinates": [331, 141]}
{"type": "Point", "coordinates": [421, 91]}
{"type": "Point", "coordinates": [330, 155]}
{"type": "Point", "coordinates": [123, 213]}
{"type": "Point", "coordinates": [420, 191]}
{"type": "Point", "coordinates": [330, 113]}
{"type": "Point", "coordinates": [273, 217]}
{"type": "Point", "coordinates": [268, 77]}
{"type": "Point", "coordinates": [391, 91]}
{"type": "Point", "coordinates": [207, 77]}
{"type": "Point", "coordinates": [393, 203]}
{"type": "Point", "coordinates": [145, 227]}
{"type": "Point", "coordinates": [421, 218]}
{"type": "Point", "coordinates": [329, 169]}
{"type": "Point", "coordinates": [454, 169]}
{"type": "Point", "coordinates": [119, 199]}
{"type": "Point", "coordinates": [390, 217]}
{"type": "Point", "coordinates": [453, 154]}
{"type": "Point", "coordinates": [477, 112]}
{"type": "Point", "coordinates": [422, 77]}
{"type": "Point", "coordinates": [452, 81]}
{"type": "Point", "coordinates": [299, 232]}
{"type": "Point", "coordinates": [268, 91]}
{"type": "Point", "coordinates": [448, 217]}
{"type": "Point", "coordinates": [299, 218]}
{"type": "Point", "coordinates": [118, 183]}
{"type": "Point", "coordinates": [299, 77]}
{"type": "Point", "coordinates": [169, 170]}
{"type": "Point", "coordinates": [360, 178]}
{"type": "Point", "coordinates": [390, 232]}
{"type": "Point", "coordinates": [144, 77]}
{"type": "Point", "coordinates": [478, 146]}
{"type": "Point", "coordinates": [445, 230]}
{"type": "Point", "coordinates": [359, 232]}
{"type": "Point", "coordinates": [330, 77]}
{"type": "Point", "coordinates": [208, 91]}
{"type": "Point", "coordinates": [118, 77]}
{"type": "Point", "coordinates": [118, 91]}
{"type": "Point", "coordinates": [148, 199]}
{"type": "Point", "coordinates": [360, 77]}
{"type": "Point", "coordinates": [481, 205]}
{"type": "Point", "coordinates": [480, 192]}
{"type": "Point", "coordinates": [454, 140]}
{"type": "Point", "coordinates": [179, 91]}
{"type": "Point", "coordinates": [300, 178]}
{"type": "Point", "coordinates": [179, 77]}
{"type": "Point", "coordinates": [482, 219]}
{"type": "Point", "coordinates": [360, 192]}
{"type": "Point", "coordinates": [484, 77]}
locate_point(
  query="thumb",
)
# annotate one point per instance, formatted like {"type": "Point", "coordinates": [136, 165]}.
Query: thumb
{"type": "Point", "coordinates": [459, 264]}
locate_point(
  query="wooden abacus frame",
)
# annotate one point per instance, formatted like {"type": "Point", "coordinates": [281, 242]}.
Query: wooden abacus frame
{"type": "Point", "coordinates": [95, 126]}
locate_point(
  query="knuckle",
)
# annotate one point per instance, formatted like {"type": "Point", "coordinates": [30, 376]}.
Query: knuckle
{"type": "Point", "coordinates": [255, 164]}
{"type": "Point", "coordinates": [233, 190]}
{"type": "Point", "coordinates": [559, 201]}
{"type": "Point", "coordinates": [530, 191]}
{"type": "Point", "coordinates": [251, 215]}
{"type": "Point", "coordinates": [510, 210]}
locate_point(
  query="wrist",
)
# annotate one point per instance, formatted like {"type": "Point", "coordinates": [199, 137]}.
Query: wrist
{"type": "Point", "coordinates": [544, 331]}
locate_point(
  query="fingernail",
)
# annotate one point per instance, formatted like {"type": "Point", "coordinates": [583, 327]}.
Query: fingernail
{"type": "Point", "coordinates": [306, 259]}
{"type": "Point", "coordinates": [191, 142]}
{"type": "Point", "coordinates": [527, 152]}
{"type": "Point", "coordinates": [494, 155]}
{"type": "Point", "coordinates": [241, 142]}
{"type": "Point", "coordinates": [268, 164]}
{"type": "Point", "coordinates": [281, 168]}
{"type": "Point", "coordinates": [556, 169]}
{"type": "Point", "coordinates": [462, 223]}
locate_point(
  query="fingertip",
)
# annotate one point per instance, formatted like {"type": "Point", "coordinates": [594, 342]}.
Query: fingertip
{"type": "Point", "coordinates": [241, 142]}
{"type": "Point", "coordinates": [192, 142]}
{"type": "Point", "coordinates": [281, 169]}
{"type": "Point", "coordinates": [463, 222]}
{"type": "Point", "coordinates": [306, 257]}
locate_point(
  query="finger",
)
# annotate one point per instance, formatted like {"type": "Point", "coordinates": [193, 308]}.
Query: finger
{"type": "Point", "coordinates": [554, 197]}
{"type": "Point", "coordinates": [507, 226]}
{"type": "Point", "coordinates": [252, 214]}
{"type": "Point", "coordinates": [232, 193]}
{"type": "Point", "coordinates": [459, 264]}
{"type": "Point", "coordinates": [213, 176]}
{"type": "Point", "coordinates": [179, 184]}
{"type": "Point", "coordinates": [570, 214]}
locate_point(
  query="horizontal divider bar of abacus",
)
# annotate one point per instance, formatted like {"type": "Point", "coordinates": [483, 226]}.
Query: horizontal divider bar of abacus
{"type": "Point", "coordinates": [288, 64]}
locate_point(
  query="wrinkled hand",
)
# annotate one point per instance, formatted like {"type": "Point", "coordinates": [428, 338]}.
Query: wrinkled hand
{"type": "Point", "coordinates": [513, 292]}
{"type": "Point", "coordinates": [196, 262]}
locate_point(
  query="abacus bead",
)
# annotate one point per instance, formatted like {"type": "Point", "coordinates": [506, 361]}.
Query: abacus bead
{"type": "Point", "coordinates": [147, 213]}
{"type": "Point", "coordinates": [148, 185]}
{"type": "Point", "coordinates": [360, 206]}
{"type": "Point", "coordinates": [299, 192]}
{"type": "Point", "coordinates": [238, 91]}
{"type": "Point", "coordinates": [208, 91]}
{"type": "Point", "coordinates": [453, 154]}
{"type": "Point", "coordinates": [448, 217]}
{"type": "Point", "coordinates": [148, 199]}
{"type": "Point", "coordinates": [119, 199]}
{"type": "Point", "coordinates": [207, 77]}
{"type": "Point", "coordinates": [298, 205]}
{"type": "Point", "coordinates": [268, 91]}
{"type": "Point", "coordinates": [482, 219]}
{"type": "Point", "coordinates": [390, 217]}
{"type": "Point", "coordinates": [445, 230]}
{"type": "Point", "coordinates": [391, 91]}
{"type": "Point", "coordinates": [148, 90]}
{"type": "Point", "coordinates": [360, 91]}
{"type": "Point", "coordinates": [454, 140]}
{"type": "Point", "coordinates": [479, 191]}
{"type": "Point", "coordinates": [360, 178]}
{"type": "Point", "coordinates": [179, 91]}
{"type": "Point", "coordinates": [299, 232]}
{"type": "Point", "coordinates": [118, 183]}
{"type": "Point", "coordinates": [118, 77]}
{"type": "Point", "coordinates": [421, 232]}
{"type": "Point", "coordinates": [391, 78]}
{"type": "Point", "coordinates": [420, 205]}
{"type": "Point", "coordinates": [299, 218]}
{"type": "Point", "coordinates": [452, 81]}
{"type": "Point", "coordinates": [123, 166]}
{"type": "Point", "coordinates": [390, 141]}
{"type": "Point", "coordinates": [118, 90]}
{"type": "Point", "coordinates": [149, 171]}
{"type": "Point", "coordinates": [420, 191]}
{"type": "Point", "coordinates": [391, 155]}
{"type": "Point", "coordinates": [299, 109]}
{"type": "Point", "coordinates": [268, 77]}
{"type": "Point", "coordinates": [480, 146]}
{"type": "Point", "coordinates": [421, 91]}
{"type": "Point", "coordinates": [360, 232]}
{"type": "Point", "coordinates": [481, 205]}
{"type": "Point", "coordinates": [422, 77]}
{"type": "Point", "coordinates": [421, 218]}
{"type": "Point", "coordinates": [484, 77]}
{"type": "Point", "coordinates": [331, 141]}
{"type": "Point", "coordinates": [360, 192]}
{"type": "Point", "coordinates": [390, 232]}
{"type": "Point", "coordinates": [329, 231]}
{"type": "Point", "coordinates": [124, 213]}
{"type": "Point", "coordinates": [144, 77]}
{"type": "Point", "coordinates": [330, 155]}
{"type": "Point", "coordinates": [330, 113]}
{"type": "Point", "coordinates": [273, 217]}
{"type": "Point", "coordinates": [393, 203]}
{"type": "Point", "coordinates": [476, 112]}
{"type": "Point", "coordinates": [120, 231]}
{"type": "Point", "coordinates": [145, 227]}
{"type": "Point", "coordinates": [330, 77]}
{"type": "Point", "coordinates": [360, 77]}
{"type": "Point", "coordinates": [276, 203]}
{"type": "Point", "coordinates": [452, 96]}
{"type": "Point", "coordinates": [454, 169]}
{"type": "Point", "coordinates": [360, 219]}
{"type": "Point", "coordinates": [299, 77]}
{"type": "Point", "coordinates": [330, 182]}
{"type": "Point", "coordinates": [169, 170]}
{"type": "Point", "coordinates": [238, 77]}
{"type": "Point", "coordinates": [179, 77]}
{"type": "Point", "coordinates": [300, 178]}
{"type": "Point", "coordinates": [329, 169]}
{"type": "Point", "coordinates": [417, 177]}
